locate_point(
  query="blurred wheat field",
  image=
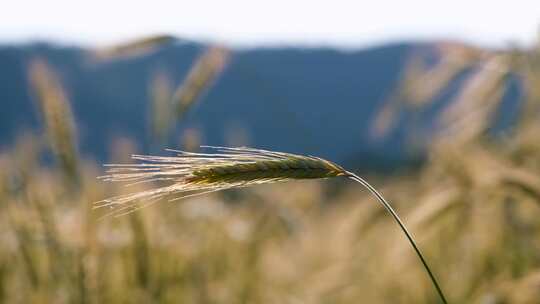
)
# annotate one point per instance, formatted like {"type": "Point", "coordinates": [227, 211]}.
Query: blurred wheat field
{"type": "Point", "coordinates": [473, 206]}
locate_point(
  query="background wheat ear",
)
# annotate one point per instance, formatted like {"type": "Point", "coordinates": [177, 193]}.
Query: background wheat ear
{"type": "Point", "coordinates": [191, 174]}
{"type": "Point", "coordinates": [59, 122]}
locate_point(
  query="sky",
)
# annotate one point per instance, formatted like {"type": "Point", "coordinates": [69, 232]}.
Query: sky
{"type": "Point", "coordinates": [269, 23]}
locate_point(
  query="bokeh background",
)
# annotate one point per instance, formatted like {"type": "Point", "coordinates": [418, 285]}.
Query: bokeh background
{"type": "Point", "coordinates": [437, 105]}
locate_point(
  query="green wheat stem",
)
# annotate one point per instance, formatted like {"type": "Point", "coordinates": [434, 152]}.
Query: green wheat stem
{"type": "Point", "coordinates": [398, 220]}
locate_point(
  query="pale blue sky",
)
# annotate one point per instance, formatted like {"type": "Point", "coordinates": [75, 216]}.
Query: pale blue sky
{"type": "Point", "coordinates": [253, 23]}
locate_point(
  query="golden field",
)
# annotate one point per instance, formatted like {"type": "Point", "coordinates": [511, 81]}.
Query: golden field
{"type": "Point", "coordinates": [473, 206]}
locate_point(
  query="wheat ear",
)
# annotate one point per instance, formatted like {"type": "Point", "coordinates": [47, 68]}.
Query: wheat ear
{"type": "Point", "coordinates": [191, 174]}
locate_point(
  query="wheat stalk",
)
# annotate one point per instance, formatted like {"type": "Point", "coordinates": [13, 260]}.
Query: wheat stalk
{"type": "Point", "coordinates": [191, 174]}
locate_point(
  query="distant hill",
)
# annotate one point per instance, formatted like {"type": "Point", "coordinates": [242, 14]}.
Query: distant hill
{"type": "Point", "coordinates": [312, 101]}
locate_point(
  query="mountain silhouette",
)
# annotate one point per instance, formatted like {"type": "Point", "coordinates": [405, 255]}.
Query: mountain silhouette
{"type": "Point", "coordinates": [312, 101]}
